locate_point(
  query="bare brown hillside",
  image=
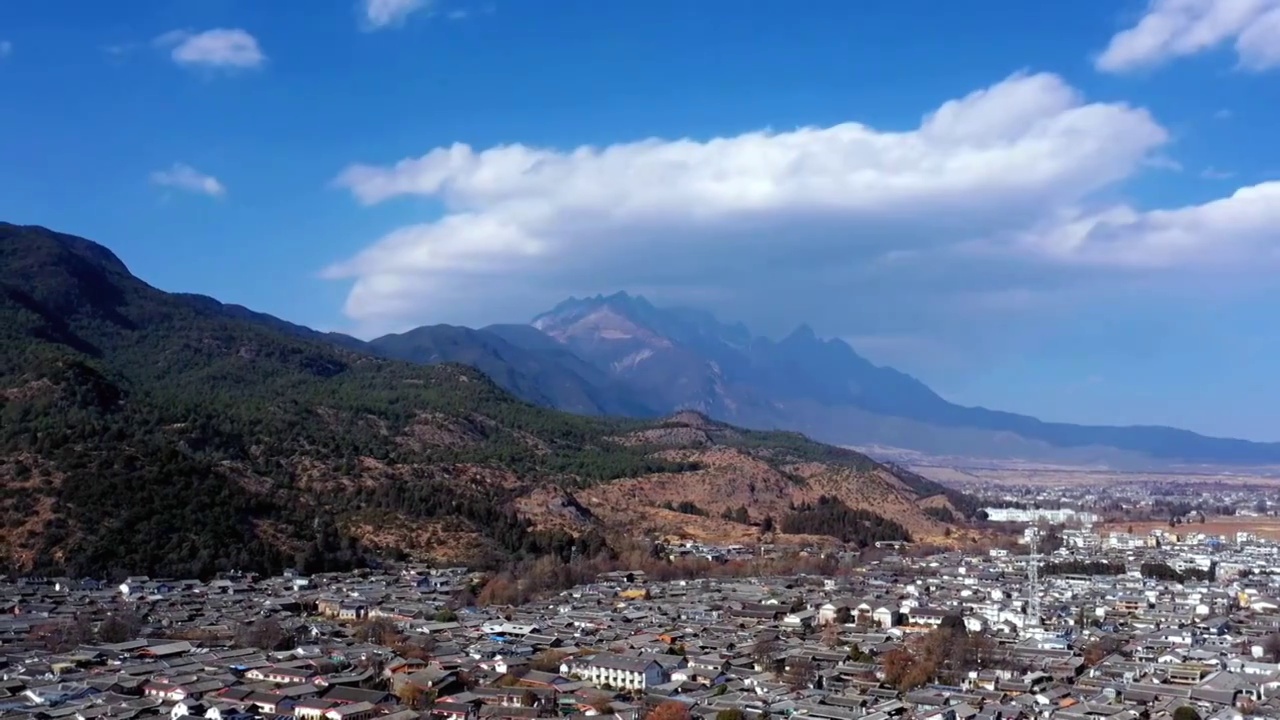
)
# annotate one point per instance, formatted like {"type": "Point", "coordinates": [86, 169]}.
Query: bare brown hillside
{"type": "Point", "coordinates": [768, 481]}
{"type": "Point", "coordinates": [734, 478]}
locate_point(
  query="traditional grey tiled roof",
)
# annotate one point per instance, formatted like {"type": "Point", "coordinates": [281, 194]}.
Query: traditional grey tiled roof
{"type": "Point", "coordinates": [627, 663]}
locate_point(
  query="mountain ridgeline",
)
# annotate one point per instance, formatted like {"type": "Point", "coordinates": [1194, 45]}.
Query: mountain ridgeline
{"type": "Point", "coordinates": [149, 432]}
{"type": "Point", "coordinates": [621, 355]}
{"type": "Point", "coordinates": [685, 358]}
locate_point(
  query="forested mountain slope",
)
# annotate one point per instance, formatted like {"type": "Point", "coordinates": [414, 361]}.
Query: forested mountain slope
{"type": "Point", "coordinates": [142, 431]}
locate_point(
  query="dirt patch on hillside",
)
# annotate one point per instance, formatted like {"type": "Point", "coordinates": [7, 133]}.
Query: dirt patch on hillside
{"type": "Point", "coordinates": [548, 507]}
{"type": "Point", "coordinates": [678, 437]}
{"type": "Point", "coordinates": [27, 508]}
{"type": "Point", "coordinates": [277, 534]}
{"type": "Point", "coordinates": [730, 479]}
{"type": "Point", "coordinates": [447, 541]}
{"type": "Point", "coordinates": [325, 477]}
{"type": "Point", "coordinates": [436, 430]}
{"type": "Point", "coordinates": [28, 391]}
{"type": "Point", "coordinates": [483, 476]}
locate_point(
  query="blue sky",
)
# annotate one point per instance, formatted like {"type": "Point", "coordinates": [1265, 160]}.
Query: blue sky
{"type": "Point", "coordinates": [1056, 208]}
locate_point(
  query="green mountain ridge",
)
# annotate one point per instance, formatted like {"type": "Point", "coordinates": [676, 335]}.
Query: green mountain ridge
{"type": "Point", "coordinates": [149, 432]}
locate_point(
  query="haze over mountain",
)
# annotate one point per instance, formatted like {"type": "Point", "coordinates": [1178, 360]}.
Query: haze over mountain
{"type": "Point", "coordinates": [682, 358]}
{"type": "Point", "coordinates": [620, 352]}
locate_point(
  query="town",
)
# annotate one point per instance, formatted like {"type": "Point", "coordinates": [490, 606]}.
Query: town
{"type": "Point", "coordinates": [1073, 624]}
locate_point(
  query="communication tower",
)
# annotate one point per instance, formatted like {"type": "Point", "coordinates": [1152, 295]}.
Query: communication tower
{"type": "Point", "coordinates": [1033, 578]}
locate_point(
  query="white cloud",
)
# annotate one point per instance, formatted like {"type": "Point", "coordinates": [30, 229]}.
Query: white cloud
{"type": "Point", "coordinates": [1227, 233]}
{"type": "Point", "coordinates": [994, 233]}
{"type": "Point", "coordinates": [380, 14]}
{"type": "Point", "coordinates": [218, 48]}
{"type": "Point", "coordinates": [1163, 162]}
{"type": "Point", "coordinates": [6, 48]}
{"type": "Point", "coordinates": [1177, 28]}
{"type": "Point", "coordinates": [1011, 137]}
{"type": "Point", "coordinates": [531, 222]}
{"type": "Point", "coordinates": [184, 177]}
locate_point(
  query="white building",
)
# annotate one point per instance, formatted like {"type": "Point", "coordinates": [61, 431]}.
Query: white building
{"type": "Point", "coordinates": [623, 672]}
{"type": "Point", "coordinates": [1056, 517]}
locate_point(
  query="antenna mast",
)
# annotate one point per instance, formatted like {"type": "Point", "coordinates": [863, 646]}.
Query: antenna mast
{"type": "Point", "coordinates": [1033, 579]}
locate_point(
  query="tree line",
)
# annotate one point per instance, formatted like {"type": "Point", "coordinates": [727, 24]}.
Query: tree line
{"type": "Point", "coordinates": [829, 516]}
